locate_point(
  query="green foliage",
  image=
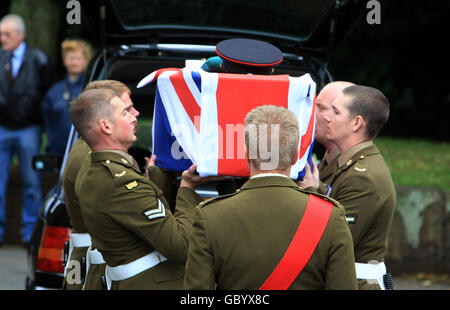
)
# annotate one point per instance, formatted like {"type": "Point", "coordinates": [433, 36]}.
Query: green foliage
{"type": "Point", "coordinates": [417, 162]}
{"type": "Point", "coordinates": [144, 134]}
{"type": "Point", "coordinates": [42, 22]}
{"type": "Point", "coordinates": [403, 58]}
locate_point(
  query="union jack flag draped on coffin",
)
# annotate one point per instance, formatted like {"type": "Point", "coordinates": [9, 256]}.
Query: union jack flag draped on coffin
{"type": "Point", "coordinates": [199, 117]}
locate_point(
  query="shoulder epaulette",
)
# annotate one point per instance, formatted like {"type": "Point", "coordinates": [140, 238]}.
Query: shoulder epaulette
{"type": "Point", "coordinates": [117, 170]}
{"type": "Point", "coordinates": [213, 199]}
{"type": "Point", "coordinates": [327, 198]}
{"type": "Point", "coordinates": [356, 159]}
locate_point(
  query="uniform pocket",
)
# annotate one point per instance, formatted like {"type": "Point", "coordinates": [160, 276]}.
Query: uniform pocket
{"type": "Point", "coordinates": [167, 272]}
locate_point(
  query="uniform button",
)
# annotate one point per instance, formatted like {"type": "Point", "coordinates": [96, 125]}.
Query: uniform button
{"type": "Point", "coordinates": [349, 162]}
{"type": "Point", "coordinates": [124, 161]}
{"type": "Point", "coordinates": [108, 161]}
{"type": "Point", "coordinates": [361, 157]}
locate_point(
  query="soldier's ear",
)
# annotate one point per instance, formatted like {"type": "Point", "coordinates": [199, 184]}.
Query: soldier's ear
{"type": "Point", "coordinates": [247, 156]}
{"type": "Point", "coordinates": [358, 123]}
{"type": "Point", "coordinates": [294, 160]}
{"type": "Point", "coordinates": [105, 126]}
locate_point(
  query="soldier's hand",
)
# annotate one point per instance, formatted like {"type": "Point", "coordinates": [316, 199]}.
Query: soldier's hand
{"type": "Point", "coordinates": [191, 179]}
{"type": "Point", "coordinates": [311, 178]}
{"type": "Point", "coordinates": [148, 163]}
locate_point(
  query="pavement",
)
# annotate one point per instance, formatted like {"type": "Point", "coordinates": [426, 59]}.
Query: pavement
{"type": "Point", "coordinates": [13, 270]}
{"type": "Point", "coordinates": [13, 267]}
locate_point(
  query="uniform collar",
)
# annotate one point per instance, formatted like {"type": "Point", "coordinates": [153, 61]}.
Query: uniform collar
{"type": "Point", "coordinates": [113, 155]}
{"type": "Point", "coordinates": [269, 181]}
{"type": "Point", "coordinates": [262, 175]}
{"type": "Point", "coordinates": [347, 155]}
{"type": "Point", "coordinates": [330, 156]}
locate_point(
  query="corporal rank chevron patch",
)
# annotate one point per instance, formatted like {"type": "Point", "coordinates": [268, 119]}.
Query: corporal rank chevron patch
{"type": "Point", "coordinates": [156, 213]}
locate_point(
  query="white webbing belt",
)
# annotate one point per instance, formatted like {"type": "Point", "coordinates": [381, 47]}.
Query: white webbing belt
{"type": "Point", "coordinates": [77, 241]}
{"type": "Point", "coordinates": [126, 271]}
{"type": "Point", "coordinates": [80, 240]}
{"type": "Point", "coordinates": [93, 257]}
{"type": "Point", "coordinates": [373, 272]}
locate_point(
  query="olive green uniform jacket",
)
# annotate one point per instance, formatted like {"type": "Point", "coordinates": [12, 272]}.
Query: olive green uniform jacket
{"type": "Point", "coordinates": [78, 153]}
{"type": "Point", "coordinates": [239, 239]}
{"type": "Point", "coordinates": [115, 199]}
{"type": "Point", "coordinates": [94, 279]}
{"type": "Point", "coordinates": [166, 182]}
{"type": "Point", "coordinates": [363, 184]}
{"type": "Point", "coordinates": [327, 168]}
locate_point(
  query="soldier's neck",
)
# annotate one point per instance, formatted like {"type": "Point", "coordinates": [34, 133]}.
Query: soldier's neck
{"type": "Point", "coordinates": [350, 142]}
{"type": "Point", "coordinates": [105, 146]}
{"type": "Point", "coordinates": [254, 171]}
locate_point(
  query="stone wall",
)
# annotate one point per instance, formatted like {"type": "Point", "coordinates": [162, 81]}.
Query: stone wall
{"type": "Point", "coordinates": [419, 239]}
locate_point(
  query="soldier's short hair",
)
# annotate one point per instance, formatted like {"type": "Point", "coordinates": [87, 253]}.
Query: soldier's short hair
{"type": "Point", "coordinates": [88, 108]}
{"type": "Point", "coordinates": [113, 85]}
{"type": "Point", "coordinates": [266, 125]}
{"type": "Point", "coordinates": [371, 105]}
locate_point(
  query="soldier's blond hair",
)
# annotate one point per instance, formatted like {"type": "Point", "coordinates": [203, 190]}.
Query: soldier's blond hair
{"type": "Point", "coordinates": [113, 85]}
{"type": "Point", "coordinates": [268, 121]}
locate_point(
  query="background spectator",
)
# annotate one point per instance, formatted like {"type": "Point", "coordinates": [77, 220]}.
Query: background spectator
{"type": "Point", "coordinates": [55, 107]}
{"type": "Point", "coordinates": [25, 78]}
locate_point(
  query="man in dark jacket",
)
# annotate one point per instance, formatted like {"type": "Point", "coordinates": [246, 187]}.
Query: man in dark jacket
{"type": "Point", "coordinates": [24, 78]}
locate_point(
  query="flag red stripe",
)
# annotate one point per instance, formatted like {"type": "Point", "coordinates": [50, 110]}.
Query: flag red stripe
{"type": "Point", "coordinates": [308, 136]}
{"type": "Point", "coordinates": [237, 94]}
{"type": "Point", "coordinates": [184, 94]}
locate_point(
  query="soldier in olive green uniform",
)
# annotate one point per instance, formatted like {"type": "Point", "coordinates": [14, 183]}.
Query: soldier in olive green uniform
{"type": "Point", "coordinates": [362, 182]}
{"type": "Point", "coordinates": [77, 154]}
{"type": "Point", "coordinates": [80, 236]}
{"type": "Point", "coordinates": [327, 166]}
{"type": "Point", "coordinates": [363, 185]}
{"type": "Point", "coordinates": [128, 218]}
{"type": "Point", "coordinates": [239, 239]}
{"type": "Point", "coordinates": [143, 244]}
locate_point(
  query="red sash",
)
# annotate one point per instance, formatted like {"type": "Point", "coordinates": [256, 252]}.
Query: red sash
{"type": "Point", "coordinates": [302, 246]}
